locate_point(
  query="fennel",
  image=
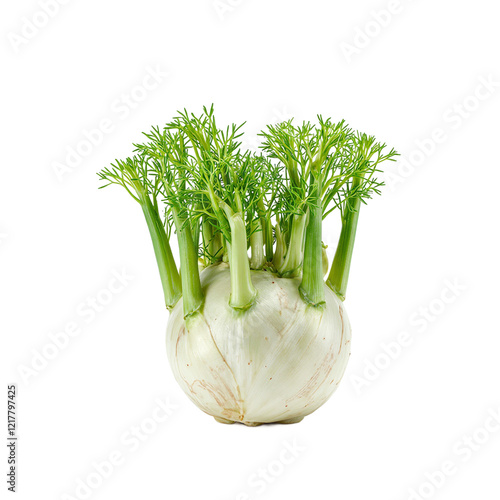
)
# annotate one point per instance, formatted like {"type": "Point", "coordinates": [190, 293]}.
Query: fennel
{"type": "Point", "coordinates": [261, 338]}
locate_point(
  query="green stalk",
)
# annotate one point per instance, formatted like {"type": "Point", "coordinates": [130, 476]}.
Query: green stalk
{"type": "Point", "coordinates": [192, 295]}
{"type": "Point", "coordinates": [293, 258]}
{"type": "Point", "coordinates": [267, 228]}
{"type": "Point", "coordinates": [169, 274]}
{"type": "Point", "coordinates": [195, 232]}
{"type": "Point", "coordinates": [243, 292]}
{"type": "Point", "coordinates": [225, 250]}
{"type": "Point", "coordinates": [268, 238]}
{"type": "Point", "coordinates": [279, 255]}
{"type": "Point", "coordinates": [257, 260]}
{"type": "Point", "coordinates": [207, 237]}
{"type": "Point", "coordinates": [312, 287]}
{"type": "Point", "coordinates": [339, 273]}
{"type": "Point", "coordinates": [217, 245]}
{"type": "Point", "coordinates": [212, 243]}
{"type": "Point", "coordinates": [325, 259]}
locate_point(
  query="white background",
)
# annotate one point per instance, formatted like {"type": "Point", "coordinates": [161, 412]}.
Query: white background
{"type": "Point", "coordinates": [393, 422]}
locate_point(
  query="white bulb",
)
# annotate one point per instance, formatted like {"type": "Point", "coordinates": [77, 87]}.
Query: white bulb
{"type": "Point", "coordinates": [276, 362]}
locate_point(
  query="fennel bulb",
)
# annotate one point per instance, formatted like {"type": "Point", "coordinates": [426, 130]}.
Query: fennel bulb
{"type": "Point", "coordinates": [278, 361]}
